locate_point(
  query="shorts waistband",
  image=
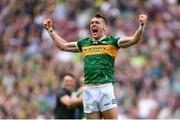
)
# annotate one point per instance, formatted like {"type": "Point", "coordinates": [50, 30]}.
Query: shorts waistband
{"type": "Point", "coordinates": [97, 84]}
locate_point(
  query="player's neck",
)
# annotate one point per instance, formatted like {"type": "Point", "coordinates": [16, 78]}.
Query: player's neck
{"type": "Point", "coordinates": [98, 38]}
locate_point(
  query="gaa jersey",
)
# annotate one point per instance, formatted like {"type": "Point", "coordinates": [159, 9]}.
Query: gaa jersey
{"type": "Point", "coordinates": [99, 56]}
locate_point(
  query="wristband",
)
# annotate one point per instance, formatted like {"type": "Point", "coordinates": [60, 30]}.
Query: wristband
{"type": "Point", "coordinates": [50, 31]}
{"type": "Point", "coordinates": [141, 28]}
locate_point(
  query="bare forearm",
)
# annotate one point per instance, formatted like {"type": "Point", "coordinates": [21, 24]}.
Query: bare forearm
{"type": "Point", "coordinates": [129, 41]}
{"type": "Point", "coordinates": [58, 40]}
{"type": "Point", "coordinates": [71, 102]}
{"type": "Point", "coordinates": [74, 102]}
{"type": "Point", "coordinates": [138, 35]}
{"type": "Point", "coordinates": [61, 43]}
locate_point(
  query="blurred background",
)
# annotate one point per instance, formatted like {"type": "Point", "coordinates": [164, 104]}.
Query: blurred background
{"type": "Point", "coordinates": [31, 67]}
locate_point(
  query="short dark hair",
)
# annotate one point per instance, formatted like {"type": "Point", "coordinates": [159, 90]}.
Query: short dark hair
{"type": "Point", "coordinates": [99, 15]}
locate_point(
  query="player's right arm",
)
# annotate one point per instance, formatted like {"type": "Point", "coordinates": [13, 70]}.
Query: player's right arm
{"type": "Point", "coordinates": [58, 40]}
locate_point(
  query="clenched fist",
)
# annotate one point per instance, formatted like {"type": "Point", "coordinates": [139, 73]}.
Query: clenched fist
{"type": "Point", "coordinates": [47, 23]}
{"type": "Point", "coordinates": [142, 19]}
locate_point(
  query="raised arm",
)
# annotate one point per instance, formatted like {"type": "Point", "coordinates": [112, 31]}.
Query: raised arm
{"type": "Point", "coordinates": [129, 41]}
{"type": "Point", "coordinates": [58, 40]}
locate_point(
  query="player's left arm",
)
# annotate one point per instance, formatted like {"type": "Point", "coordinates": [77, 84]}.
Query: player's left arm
{"type": "Point", "coordinates": [125, 42]}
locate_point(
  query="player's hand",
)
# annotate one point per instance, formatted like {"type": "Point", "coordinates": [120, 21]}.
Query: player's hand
{"type": "Point", "coordinates": [142, 19]}
{"type": "Point", "coordinates": [47, 23]}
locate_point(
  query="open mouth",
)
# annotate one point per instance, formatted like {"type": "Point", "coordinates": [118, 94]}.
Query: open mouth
{"type": "Point", "coordinates": [95, 31]}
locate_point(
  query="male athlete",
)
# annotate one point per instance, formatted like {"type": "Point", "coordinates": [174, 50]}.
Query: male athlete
{"type": "Point", "coordinates": [99, 52]}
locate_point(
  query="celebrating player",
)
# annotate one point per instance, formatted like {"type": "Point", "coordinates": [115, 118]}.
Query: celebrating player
{"type": "Point", "coordinates": [99, 53]}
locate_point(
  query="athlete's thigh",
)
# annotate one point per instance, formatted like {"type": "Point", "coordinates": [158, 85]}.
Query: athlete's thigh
{"type": "Point", "coordinates": [110, 114]}
{"type": "Point", "coordinates": [90, 104]}
{"type": "Point", "coordinates": [94, 115]}
{"type": "Point", "coordinates": [108, 100]}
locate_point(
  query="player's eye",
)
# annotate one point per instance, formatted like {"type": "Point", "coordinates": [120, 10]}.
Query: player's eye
{"type": "Point", "coordinates": [97, 22]}
{"type": "Point", "coordinates": [92, 22]}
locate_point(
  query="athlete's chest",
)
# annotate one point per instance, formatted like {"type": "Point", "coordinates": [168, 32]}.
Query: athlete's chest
{"type": "Point", "coordinates": [99, 47]}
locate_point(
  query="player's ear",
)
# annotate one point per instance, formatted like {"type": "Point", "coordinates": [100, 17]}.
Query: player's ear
{"type": "Point", "coordinates": [105, 28]}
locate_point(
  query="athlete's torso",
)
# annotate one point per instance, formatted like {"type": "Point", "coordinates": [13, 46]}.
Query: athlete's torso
{"type": "Point", "coordinates": [99, 57]}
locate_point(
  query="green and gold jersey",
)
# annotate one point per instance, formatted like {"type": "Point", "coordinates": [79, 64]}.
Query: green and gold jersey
{"type": "Point", "coordinates": [99, 57]}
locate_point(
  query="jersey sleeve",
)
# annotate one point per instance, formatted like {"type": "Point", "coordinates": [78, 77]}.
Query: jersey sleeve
{"type": "Point", "coordinates": [116, 41]}
{"type": "Point", "coordinates": [80, 43]}
{"type": "Point", "coordinates": [78, 46]}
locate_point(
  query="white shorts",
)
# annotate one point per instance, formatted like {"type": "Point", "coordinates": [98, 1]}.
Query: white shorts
{"type": "Point", "coordinates": [98, 98]}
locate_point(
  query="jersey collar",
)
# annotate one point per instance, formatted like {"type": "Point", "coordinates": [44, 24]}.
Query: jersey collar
{"type": "Point", "coordinates": [96, 41]}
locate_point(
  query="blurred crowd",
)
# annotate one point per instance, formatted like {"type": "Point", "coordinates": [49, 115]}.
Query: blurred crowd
{"type": "Point", "coordinates": [31, 67]}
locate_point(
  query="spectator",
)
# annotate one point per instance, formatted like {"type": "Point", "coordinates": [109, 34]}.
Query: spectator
{"type": "Point", "coordinates": [64, 102]}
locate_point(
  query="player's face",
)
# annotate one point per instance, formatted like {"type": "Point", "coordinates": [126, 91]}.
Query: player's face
{"type": "Point", "coordinates": [69, 83]}
{"type": "Point", "coordinates": [98, 27]}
